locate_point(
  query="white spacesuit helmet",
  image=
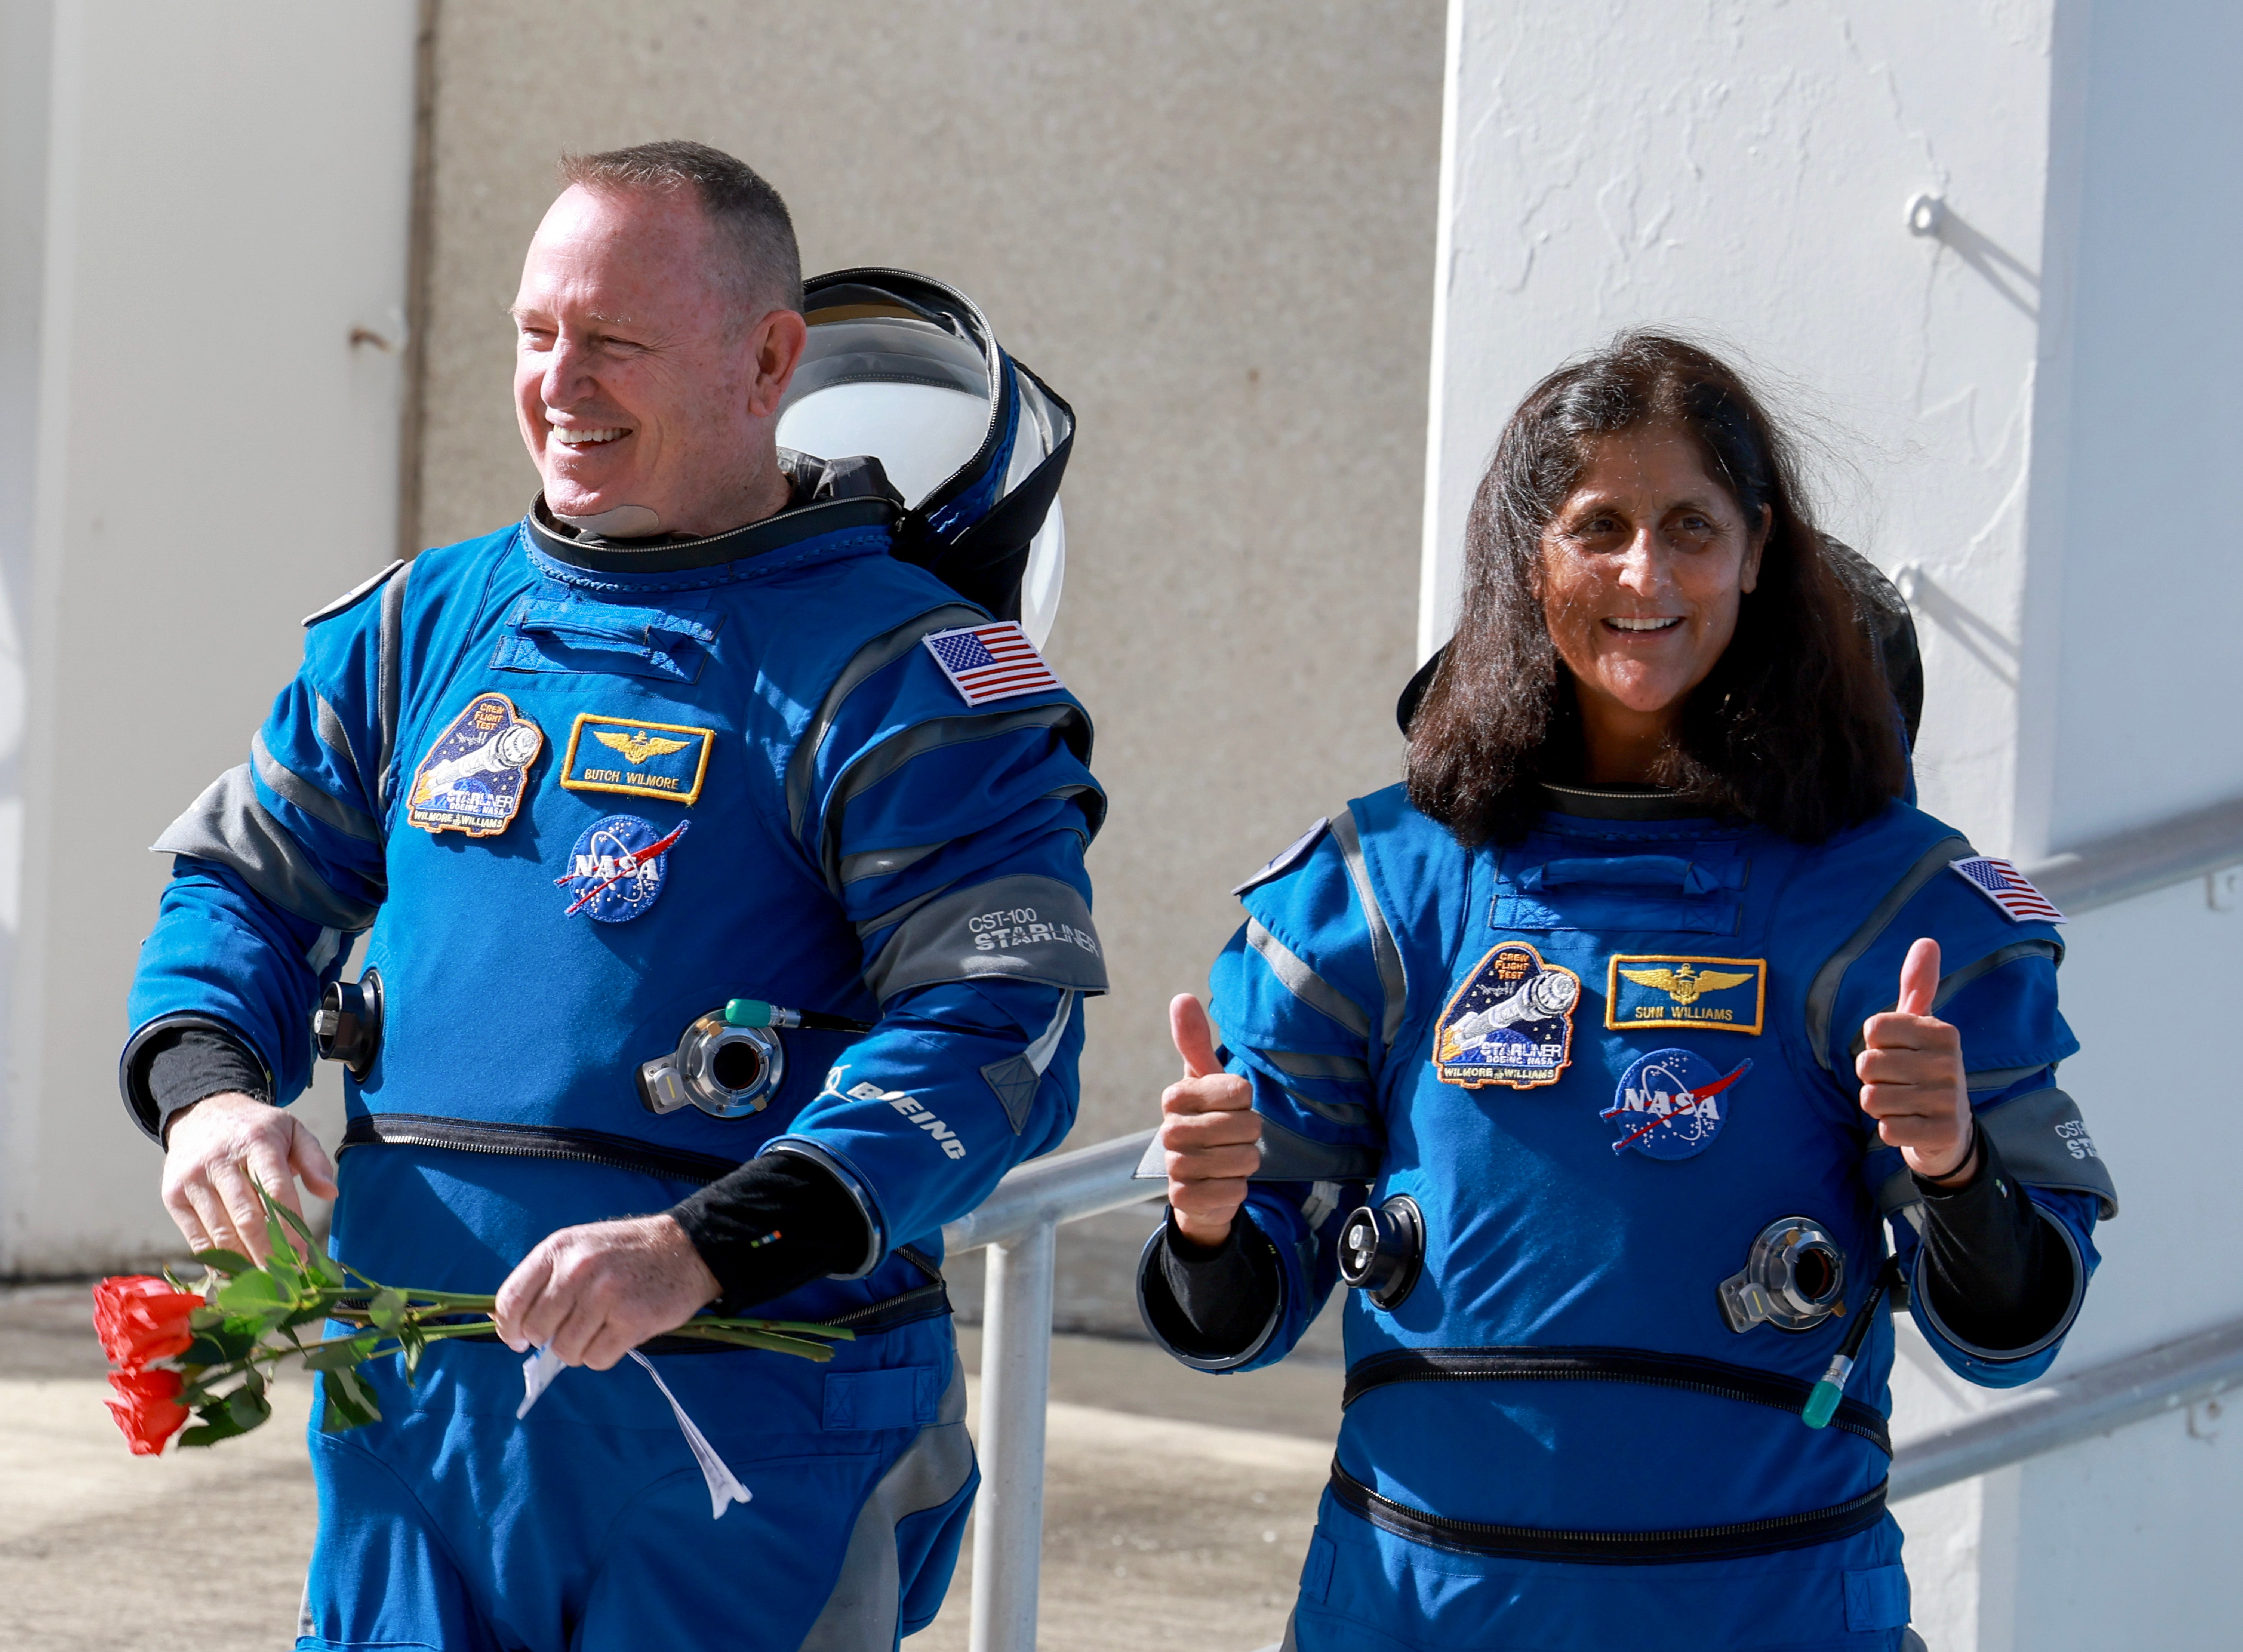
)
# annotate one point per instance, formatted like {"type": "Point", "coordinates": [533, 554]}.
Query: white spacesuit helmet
{"type": "Point", "coordinates": [906, 369]}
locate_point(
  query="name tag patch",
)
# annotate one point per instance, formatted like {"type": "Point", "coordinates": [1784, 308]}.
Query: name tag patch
{"type": "Point", "coordinates": [1708, 994]}
{"type": "Point", "coordinates": [1670, 1104]}
{"type": "Point", "coordinates": [471, 781]}
{"type": "Point", "coordinates": [1511, 1022]}
{"type": "Point", "coordinates": [645, 759]}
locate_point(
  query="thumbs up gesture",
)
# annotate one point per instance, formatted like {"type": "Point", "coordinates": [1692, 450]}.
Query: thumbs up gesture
{"type": "Point", "coordinates": [1209, 1133]}
{"type": "Point", "coordinates": [1911, 1074]}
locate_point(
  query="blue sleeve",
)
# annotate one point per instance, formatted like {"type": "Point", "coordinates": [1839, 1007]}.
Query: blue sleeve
{"type": "Point", "coordinates": [1999, 990]}
{"type": "Point", "coordinates": [278, 866]}
{"type": "Point", "coordinates": [1298, 996]}
{"type": "Point", "coordinates": [953, 836]}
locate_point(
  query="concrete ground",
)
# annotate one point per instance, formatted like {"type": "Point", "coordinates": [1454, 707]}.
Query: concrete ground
{"type": "Point", "coordinates": [204, 1551]}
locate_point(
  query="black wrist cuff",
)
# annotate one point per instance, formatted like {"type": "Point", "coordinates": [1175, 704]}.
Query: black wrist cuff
{"type": "Point", "coordinates": [772, 1226]}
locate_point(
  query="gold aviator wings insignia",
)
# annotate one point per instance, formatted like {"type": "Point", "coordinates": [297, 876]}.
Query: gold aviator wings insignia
{"type": "Point", "coordinates": [1686, 988]}
{"type": "Point", "coordinates": [636, 748]}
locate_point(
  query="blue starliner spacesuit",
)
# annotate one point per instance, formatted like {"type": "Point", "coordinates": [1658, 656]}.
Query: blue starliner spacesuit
{"type": "Point", "coordinates": [582, 798]}
{"type": "Point", "coordinates": [1606, 1074]}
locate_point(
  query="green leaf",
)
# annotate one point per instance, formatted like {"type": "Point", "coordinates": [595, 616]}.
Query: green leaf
{"type": "Point", "coordinates": [210, 1434]}
{"type": "Point", "coordinates": [224, 1261]}
{"type": "Point", "coordinates": [253, 1380]}
{"type": "Point", "coordinates": [250, 1293]}
{"type": "Point", "coordinates": [218, 1345]}
{"type": "Point", "coordinates": [247, 1408]}
{"type": "Point", "coordinates": [205, 1318]}
{"type": "Point", "coordinates": [361, 1396]}
{"type": "Point", "coordinates": [387, 1310]}
{"type": "Point", "coordinates": [340, 1355]}
{"type": "Point", "coordinates": [415, 1344]}
{"type": "Point", "coordinates": [275, 1217]}
{"type": "Point", "coordinates": [341, 1412]}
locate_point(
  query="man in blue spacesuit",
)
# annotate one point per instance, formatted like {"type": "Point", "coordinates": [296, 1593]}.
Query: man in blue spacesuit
{"type": "Point", "coordinates": [688, 734]}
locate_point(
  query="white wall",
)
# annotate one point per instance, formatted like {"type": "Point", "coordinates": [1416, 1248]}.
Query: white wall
{"type": "Point", "coordinates": [2142, 418]}
{"type": "Point", "coordinates": [1743, 171]}
{"type": "Point", "coordinates": [201, 204]}
{"type": "Point", "coordinates": [2042, 405]}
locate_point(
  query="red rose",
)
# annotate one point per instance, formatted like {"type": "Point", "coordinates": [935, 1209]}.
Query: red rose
{"type": "Point", "coordinates": [140, 1317]}
{"type": "Point", "coordinates": [150, 1412]}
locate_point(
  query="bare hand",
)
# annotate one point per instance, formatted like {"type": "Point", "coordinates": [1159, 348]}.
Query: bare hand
{"type": "Point", "coordinates": [212, 1150]}
{"type": "Point", "coordinates": [1912, 1080]}
{"type": "Point", "coordinates": [1209, 1134]}
{"type": "Point", "coordinates": [593, 1293]}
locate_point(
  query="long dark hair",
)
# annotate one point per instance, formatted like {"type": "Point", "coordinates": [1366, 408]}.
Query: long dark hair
{"type": "Point", "coordinates": [1795, 728]}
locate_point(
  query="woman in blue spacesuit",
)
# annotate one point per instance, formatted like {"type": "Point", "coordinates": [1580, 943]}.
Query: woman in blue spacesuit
{"type": "Point", "coordinates": [1598, 1058]}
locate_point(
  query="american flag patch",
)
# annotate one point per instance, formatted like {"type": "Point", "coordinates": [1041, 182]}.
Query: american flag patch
{"type": "Point", "coordinates": [986, 663]}
{"type": "Point", "coordinates": [2007, 889]}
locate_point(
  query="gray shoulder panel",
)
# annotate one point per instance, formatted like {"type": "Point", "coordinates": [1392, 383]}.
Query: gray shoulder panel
{"type": "Point", "coordinates": [2045, 1142]}
{"type": "Point", "coordinates": [1394, 983]}
{"type": "Point", "coordinates": [1305, 983]}
{"type": "Point", "coordinates": [228, 824]}
{"type": "Point", "coordinates": [351, 597]}
{"type": "Point", "coordinates": [1822, 996]}
{"type": "Point", "coordinates": [882, 651]}
{"type": "Point", "coordinates": [1287, 857]}
{"type": "Point", "coordinates": [1022, 926]}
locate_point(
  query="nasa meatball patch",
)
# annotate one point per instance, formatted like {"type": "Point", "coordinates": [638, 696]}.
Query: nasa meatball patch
{"type": "Point", "coordinates": [1670, 1104]}
{"type": "Point", "coordinates": [473, 778]}
{"type": "Point", "coordinates": [1511, 1022]}
{"type": "Point", "coordinates": [618, 868]}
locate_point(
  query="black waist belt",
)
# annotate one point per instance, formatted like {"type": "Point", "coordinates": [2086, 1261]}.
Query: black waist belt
{"type": "Point", "coordinates": [536, 1141]}
{"type": "Point", "coordinates": [928, 1301]}
{"type": "Point", "coordinates": [1608, 1364]}
{"type": "Point", "coordinates": [1610, 1549]}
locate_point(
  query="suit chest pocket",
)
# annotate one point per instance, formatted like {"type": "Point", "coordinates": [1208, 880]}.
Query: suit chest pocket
{"type": "Point", "coordinates": [554, 628]}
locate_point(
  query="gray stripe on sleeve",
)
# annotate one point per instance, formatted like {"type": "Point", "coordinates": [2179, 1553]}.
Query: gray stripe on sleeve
{"type": "Point", "coordinates": [1021, 926]}
{"type": "Point", "coordinates": [293, 787]}
{"type": "Point", "coordinates": [1303, 982]}
{"type": "Point", "coordinates": [881, 863]}
{"type": "Point", "coordinates": [891, 754]}
{"type": "Point", "coordinates": [389, 670]}
{"type": "Point", "coordinates": [1822, 996]}
{"type": "Point", "coordinates": [336, 739]}
{"type": "Point", "coordinates": [1393, 983]}
{"type": "Point", "coordinates": [1287, 1155]}
{"type": "Point", "coordinates": [1296, 1064]}
{"type": "Point", "coordinates": [875, 655]}
{"type": "Point", "coordinates": [228, 824]}
{"type": "Point", "coordinates": [1346, 1112]}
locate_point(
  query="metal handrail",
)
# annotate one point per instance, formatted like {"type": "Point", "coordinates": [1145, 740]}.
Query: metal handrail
{"type": "Point", "coordinates": [2073, 1407]}
{"type": "Point", "coordinates": [2143, 859]}
{"type": "Point", "coordinates": [1018, 1224]}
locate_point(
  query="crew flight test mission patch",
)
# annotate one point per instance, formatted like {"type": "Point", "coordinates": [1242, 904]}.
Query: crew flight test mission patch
{"type": "Point", "coordinates": [1511, 1022]}
{"type": "Point", "coordinates": [473, 778]}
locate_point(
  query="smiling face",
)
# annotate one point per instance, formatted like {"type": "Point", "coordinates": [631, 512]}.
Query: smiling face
{"type": "Point", "coordinates": [642, 377]}
{"type": "Point", "coordinates": [1642, 569]}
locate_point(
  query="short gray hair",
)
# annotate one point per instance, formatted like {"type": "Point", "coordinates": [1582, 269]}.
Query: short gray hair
{"type": "Point", "coordinates": [744, 210]}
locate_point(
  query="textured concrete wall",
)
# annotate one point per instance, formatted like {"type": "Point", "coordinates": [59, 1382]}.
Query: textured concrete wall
{"type": "Point", "coordinates": [1212, 231]}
